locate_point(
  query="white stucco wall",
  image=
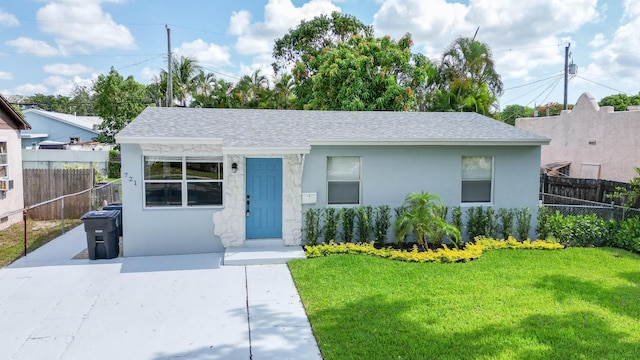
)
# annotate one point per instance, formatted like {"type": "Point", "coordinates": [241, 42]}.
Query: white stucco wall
{"type": "Point", "coordinates": [12, 201]}
{"type": "Point", "coordinates": [590, 134]}
{"type": "Point", "coordinates": [229, 223]}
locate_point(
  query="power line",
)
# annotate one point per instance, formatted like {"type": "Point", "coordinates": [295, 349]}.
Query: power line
{"type": "Point", "coordinates": [533, 82]}
{"type": "Point", "coordinates": [605, 86]}
{"type": "Point", "coordinates": [550, 83]}
{"type": "Point", "coordinates": [550, 86]}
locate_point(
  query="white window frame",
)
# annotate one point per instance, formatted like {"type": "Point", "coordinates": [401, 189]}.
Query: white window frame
{"type": "Point", "coordinates": [491, 179]}
{"type": "Point", "coordinates": [4, 158]}
{"type": "Point", "coordinates": [183, 181]}
{"type": "Point", "coordinates": [359, 181]}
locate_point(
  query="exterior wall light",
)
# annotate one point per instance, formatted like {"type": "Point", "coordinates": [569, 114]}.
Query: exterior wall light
{"type": "Point", "coordinates": [234, 168]}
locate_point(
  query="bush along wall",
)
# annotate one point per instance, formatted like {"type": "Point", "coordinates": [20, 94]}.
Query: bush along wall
{"type": "Point", "coordinates": [589, 230]}
{"type": "Point", "coordinates": [363, 224]}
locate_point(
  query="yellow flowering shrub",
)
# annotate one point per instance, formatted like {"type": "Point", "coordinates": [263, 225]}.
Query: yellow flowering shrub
{"type": "Point", "coordinates": [445, 255]}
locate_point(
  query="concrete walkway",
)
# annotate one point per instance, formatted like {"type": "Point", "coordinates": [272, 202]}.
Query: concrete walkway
{"type": "Point", "coordinates": [161, 307]}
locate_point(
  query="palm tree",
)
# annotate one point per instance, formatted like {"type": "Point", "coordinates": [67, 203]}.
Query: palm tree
{"type": "Point", "coordinates": [185, 70]}
{"type": "Point", "coordinates": [466, 66]}
{"type": "Point", "coordinates": [422, 215]}
{"type": "Point", "coordinates": [283, 95]}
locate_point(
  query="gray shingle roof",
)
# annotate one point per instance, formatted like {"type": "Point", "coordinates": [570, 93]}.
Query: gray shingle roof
{"type": "Point", "coordinates": [248, 128]}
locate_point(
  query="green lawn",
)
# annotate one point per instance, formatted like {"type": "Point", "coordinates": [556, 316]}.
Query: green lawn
{"type": "Point", "coordinates": [576, 303]}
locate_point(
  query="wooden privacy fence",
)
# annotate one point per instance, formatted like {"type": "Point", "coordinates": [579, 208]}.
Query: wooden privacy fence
{"type": "Point", "coordinates": [41, 185]}
{"type": "Point", "coordinates": [585, 189]}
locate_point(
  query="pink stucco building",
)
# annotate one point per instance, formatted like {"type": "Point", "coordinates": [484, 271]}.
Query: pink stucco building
{"type": "Point", "coordinates": [590, 141]}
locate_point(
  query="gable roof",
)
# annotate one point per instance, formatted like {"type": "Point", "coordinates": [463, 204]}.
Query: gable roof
{"type": "Point", "coordinates": [84, 122]}
{"type": "Point", "coordinates": [14, 118]}
{"type": "Point", "coordinates": [299, 129]}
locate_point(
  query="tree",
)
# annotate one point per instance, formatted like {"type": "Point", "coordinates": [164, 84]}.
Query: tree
{"type": "Point", "coordinates": [118, 101]}
{"type": "Point", "coordinates": [300, 46]}
{"type": "Point", "coordinates": [513, 112]}
{"type": "Point", "coordinates": [57, 103]}
{"type": "Point", "coordinates": [82, 101]}
{"type": "Point", "coordinates": [620, 102]}
{"type": "Point", "coordinates": [551, 109]}
{"type": "Point", "coordinates": [283, 96]}
{"type": "Point", "coordinates": [422, 215]}
{"type": "Point", "coordinates": [366, 74]}
{"type": "Point", "coordinates": [185, 70]}
{"type": "Point", "coordinates": [468, 81]}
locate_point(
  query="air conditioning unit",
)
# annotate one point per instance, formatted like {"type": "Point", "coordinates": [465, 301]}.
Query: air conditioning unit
{"type": "Point", "coordinates": [6, 184]}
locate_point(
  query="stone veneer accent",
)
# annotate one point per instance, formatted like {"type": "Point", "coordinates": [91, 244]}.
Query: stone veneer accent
{"type": "Point", "coordinates": [229, 223]}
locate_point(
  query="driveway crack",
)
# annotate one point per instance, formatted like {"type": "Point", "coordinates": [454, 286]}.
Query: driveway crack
{"type": "Point", "coordinates": [246, 287]}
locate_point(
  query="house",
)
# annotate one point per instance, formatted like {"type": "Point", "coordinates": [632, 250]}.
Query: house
{"type": "Point", "coordinates": [202, 180]}
{"type": "Point", "coordinates": [53, 131]}
{"type": "Point", "coordinates": [11, 190]}
{"type": "Point", "coordinates": [589, 141]}
{"type": "Point", "coordinates": [58, 127]}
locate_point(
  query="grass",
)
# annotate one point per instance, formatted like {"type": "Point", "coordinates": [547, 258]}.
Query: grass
{"type": "Point", "coordinates": [38, 234]}
{"type": "Point", "coordinates": [576, 303]}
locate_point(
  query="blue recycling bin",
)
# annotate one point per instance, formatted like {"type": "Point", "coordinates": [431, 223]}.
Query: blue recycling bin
{"type": "Point", "coordinates": [116, 206]}
{"type": "Point", "coordinates": [102, 233]}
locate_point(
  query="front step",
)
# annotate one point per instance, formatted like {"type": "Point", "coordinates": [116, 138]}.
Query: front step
{"type": "Point", "coordinates": [262, 252]}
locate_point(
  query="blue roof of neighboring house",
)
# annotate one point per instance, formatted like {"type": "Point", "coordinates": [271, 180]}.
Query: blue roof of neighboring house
{"type": "Point", "coordinates": [88, 123]}
{"type": "Point", "coordinates": [299, 129]}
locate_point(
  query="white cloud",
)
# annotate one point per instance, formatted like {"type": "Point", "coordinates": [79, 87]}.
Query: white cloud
{"type": "Point", "coordinates": [7, 19]}
{"type": "Point", "coordinates": [5, 75]}
{"type": "Point", "coordinates": [631, 8]}
{"type": "Point", "coordinates": [206, 53]}
{"type": "Point", "coordinates": [279, 17]}
{"type": "Point", "coordinates": [30, 89]}
{"type": "Point", "coordinates": [64, 85]}
{"type": "Point", "coordinates": [83, 25]}
{"type": "Point", "coordinates": [598, 40]}
{"type": "Point", "coordinates": [147, 74]}
{"type": "Point", "coordinates": [66, 69]}
{"type": "Point", "coordinates": [522, 34]}
{"type": "Point", "coordinates": [26, 45]}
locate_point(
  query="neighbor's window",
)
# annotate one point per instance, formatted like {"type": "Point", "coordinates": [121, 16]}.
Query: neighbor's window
{"type": "Point", "coordinates": [343, 180]}
{"type": "Point", "coordinates": [477, 179]}
{"type": "Point", "coordinates": [4, 163]}
{"type": "Point", "coordinates": [182, 181]}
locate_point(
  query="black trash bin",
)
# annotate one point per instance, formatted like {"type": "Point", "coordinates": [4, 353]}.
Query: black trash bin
{"type": "Point", "coordinates": [116, 206]}
{"type": "Point", "coordinates": [102, 234]}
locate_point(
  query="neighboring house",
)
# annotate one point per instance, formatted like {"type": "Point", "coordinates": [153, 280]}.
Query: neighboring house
{"type": "Point", "coordinates": [11, 190]}
{"type": "Point", "coordinates": [201, 180]}
{"type": "Point", "coordinates": [58, 127]}
{"type": "Point", "coordinates": [589, 141]}
{"type": "Point", "coordinates": [52, 132]}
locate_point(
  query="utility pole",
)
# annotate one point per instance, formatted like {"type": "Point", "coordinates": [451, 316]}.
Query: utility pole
{"type": "Point", "coordinates": [169, 75]}
{"type": "Point", "coordinates": [566, 73]}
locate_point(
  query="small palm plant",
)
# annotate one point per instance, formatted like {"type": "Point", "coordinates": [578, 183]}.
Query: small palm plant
{"type": "Point", "coordinates": [422, 215]}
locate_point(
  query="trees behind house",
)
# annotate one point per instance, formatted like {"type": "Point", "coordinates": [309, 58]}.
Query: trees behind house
{"type": "Point", "coordinates": [620, 102]}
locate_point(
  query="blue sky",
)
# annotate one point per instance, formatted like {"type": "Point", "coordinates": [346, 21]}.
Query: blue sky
{"type": "Point", "coordinates": [49, 46]}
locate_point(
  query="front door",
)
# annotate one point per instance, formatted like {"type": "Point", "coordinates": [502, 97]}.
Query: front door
{"type": "Point", "coordinates": [264, 198]}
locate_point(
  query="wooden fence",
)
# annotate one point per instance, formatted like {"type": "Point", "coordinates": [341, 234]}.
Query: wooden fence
{"type": "Point", "coordinates": [585, 189]}
{"type": "Point", "coordinates": [41, 185]}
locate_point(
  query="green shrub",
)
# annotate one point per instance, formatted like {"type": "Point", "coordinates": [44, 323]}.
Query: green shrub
{"type": "Point", "coordinates": [627, 234]}
{"type": "Point", "coordinates": [400, 211]}
{"type": "Point", "coordinates": [312, 226]}
{"type": "Point", "coordinates": [382, 222]}
{"type": "Point", "coordinates": [476, 222]}
{"type": "Point", "coordinates": [114, 165]}
{"type": "Point", "coordinates": [347, 216]}
{"type": "Point", "coordinates": [330, 227]}
{"type": "Point", "coordinates": [543, 226]}
{"type": "Point", "coordinates": [523, 223]}
{"type": "Point", "coordinates": [579, 230]}
{"type": "Point", "coordinates": [364, 215]}
{"type": "Point", "coordinates": [491, 223]}
{"type": "Point", "coordinates": [506, 222]}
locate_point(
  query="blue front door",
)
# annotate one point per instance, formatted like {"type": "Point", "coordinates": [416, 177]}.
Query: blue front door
{"type": "Point", "coordinates": [264, 198]}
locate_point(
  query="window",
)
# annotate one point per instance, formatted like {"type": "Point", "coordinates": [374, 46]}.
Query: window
{"type": "Point", "coordinates": [4, 163]}
{"type": "Point", "coordinates": [182, 181]}
{"type": "Point", "coordinates": [343, 180]}
{"type": "Point", "coordinates": [477, 179]}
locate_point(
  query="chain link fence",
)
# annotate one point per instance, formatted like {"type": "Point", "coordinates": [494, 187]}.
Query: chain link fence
{"type": "Point", "coordinates": [572, 206]}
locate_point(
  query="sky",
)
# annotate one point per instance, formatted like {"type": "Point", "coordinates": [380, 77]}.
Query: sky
{"type": "Point", "coordinates": [49, 46]}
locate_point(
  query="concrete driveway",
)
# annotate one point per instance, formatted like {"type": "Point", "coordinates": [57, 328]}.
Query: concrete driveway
{"type": "Point", "coordinates": [161, 307]}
